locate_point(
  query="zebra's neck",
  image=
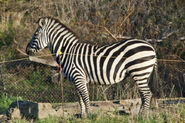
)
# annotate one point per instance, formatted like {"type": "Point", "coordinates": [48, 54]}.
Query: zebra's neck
{"type": "Point", "coordinates": [61, 39]}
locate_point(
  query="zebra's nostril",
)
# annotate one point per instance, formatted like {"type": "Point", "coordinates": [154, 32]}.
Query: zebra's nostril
{"type": "Point", "coordinates": [29, 51]}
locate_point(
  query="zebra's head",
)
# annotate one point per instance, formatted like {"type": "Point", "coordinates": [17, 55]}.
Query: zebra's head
{"type": "Point", "coordinates": [40, 39]}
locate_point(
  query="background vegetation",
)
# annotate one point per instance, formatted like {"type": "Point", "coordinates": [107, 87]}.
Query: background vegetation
{"type": "Point", "coordinates": [97, 22]}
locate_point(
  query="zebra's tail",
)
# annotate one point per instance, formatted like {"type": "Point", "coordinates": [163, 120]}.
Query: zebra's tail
{"type": "Point", "coordinates": [155, 85]}
{"type": "Point", "coordinates": [156, 71]}
{"type": "Point", "coordinates": [154, 82]}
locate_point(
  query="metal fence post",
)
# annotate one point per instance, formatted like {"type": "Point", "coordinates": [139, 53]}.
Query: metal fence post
{"type": "Point", "coordinates": [3, 82]}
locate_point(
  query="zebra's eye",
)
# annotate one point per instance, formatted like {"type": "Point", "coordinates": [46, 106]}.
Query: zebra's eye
{"type": "Point", "coordinates": [36, 33]}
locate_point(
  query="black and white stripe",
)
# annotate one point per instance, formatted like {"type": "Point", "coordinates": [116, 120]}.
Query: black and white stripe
{"type": "Point", "coordinates": [84, 63]}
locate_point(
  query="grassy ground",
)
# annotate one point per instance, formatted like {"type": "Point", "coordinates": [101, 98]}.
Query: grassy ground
{"type": "Point", "coordinates": [167, 114]}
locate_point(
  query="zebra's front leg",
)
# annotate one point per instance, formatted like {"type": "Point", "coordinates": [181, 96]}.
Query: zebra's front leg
{"type": "Point", "coordinates": [83, 95]}
{"type": "Point", "coordinates": [82, 105]}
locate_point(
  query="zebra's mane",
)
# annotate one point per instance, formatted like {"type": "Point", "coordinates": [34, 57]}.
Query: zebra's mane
{"type": "Point", "coordinates": [60, 23]}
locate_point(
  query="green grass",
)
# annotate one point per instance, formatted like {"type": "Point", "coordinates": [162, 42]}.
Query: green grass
{"type": "Point", "coordinates": [171, 114]}
{"type": "Point", "coordinates": [176, 116]}
{"type": "Point", "coordinates": [5, 102]}
{"type": "Point", "coordinates": [91, 119]}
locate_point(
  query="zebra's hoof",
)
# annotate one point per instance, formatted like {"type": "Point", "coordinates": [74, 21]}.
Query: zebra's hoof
{"type": "Point", "coordinates": [144, 113]}
{"type": "Point", "coordinates": [83, 116]}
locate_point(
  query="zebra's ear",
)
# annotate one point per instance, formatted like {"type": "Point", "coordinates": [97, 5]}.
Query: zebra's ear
{"type": "Point", "coordinates": [41, 22]}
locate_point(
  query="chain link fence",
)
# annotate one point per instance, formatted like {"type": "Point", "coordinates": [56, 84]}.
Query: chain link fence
{"type": "Point", "coordinates": [41, 83]}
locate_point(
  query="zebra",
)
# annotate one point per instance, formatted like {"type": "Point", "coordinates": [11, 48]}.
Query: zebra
{"type": "Point", "coordinates": [83, 63]}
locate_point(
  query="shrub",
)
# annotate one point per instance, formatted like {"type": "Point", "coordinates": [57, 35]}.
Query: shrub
{"type": "Point", "coordinates": [37, 80]}
{"type": "Point", "coordinates": [7, 36]}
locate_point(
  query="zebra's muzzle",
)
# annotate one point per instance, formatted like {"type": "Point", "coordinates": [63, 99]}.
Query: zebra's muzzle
{"type": "Point", "coordinates": [29, 50]}
{"type": "Point", "coordinates": [29, 53]}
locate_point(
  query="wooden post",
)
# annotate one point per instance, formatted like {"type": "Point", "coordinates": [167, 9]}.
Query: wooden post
{"type": "Point", "coordinates": [61, 80]}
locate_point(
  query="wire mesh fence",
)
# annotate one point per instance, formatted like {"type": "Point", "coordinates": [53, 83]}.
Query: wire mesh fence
{"type": "Point", "coordinates": [41, 83]}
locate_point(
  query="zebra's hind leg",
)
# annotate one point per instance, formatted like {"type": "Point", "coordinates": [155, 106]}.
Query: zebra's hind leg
{"type": "Point", "coordinates": [83, 98]}
{"type": "Point", "coordinates": [145, 95]}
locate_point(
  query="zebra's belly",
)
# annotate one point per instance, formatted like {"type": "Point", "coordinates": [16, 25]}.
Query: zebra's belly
{"type": "Point", "coordinates": [107, 78]}
{"type": "Point", "coordinates": [104, 70]}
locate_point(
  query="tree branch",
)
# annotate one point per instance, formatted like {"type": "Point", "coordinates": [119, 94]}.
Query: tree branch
{"type": "Point", "coordinates": [51, 63]}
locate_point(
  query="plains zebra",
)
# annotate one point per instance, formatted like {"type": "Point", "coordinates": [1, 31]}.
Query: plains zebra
{"type": "Point", "coordinates": [84, 63]}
